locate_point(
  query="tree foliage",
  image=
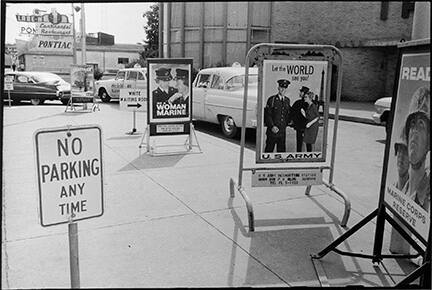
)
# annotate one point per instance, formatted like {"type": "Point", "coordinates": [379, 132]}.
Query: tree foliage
{"type": "Point", "coordinates": [151, 46]}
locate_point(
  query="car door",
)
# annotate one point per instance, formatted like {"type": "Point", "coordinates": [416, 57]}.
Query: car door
{"type": "Point", "coordinates": [117, 84]}
{"type": "Point", "coordinates": [214, 98]}
{"type": "Point", "coordinates": [201, 85]}
{"type": "Point", "coordinates": [141, 82]}
{"type": "Point", "coordinates": [130, 81]}
{"type": "Point", "coordinates": [25, 88]}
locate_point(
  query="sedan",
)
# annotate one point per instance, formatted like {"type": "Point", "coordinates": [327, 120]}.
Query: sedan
{"type": "Point", "coordinates": [37, 87]}
{"type": "Point", "coordinates": [218, 98]}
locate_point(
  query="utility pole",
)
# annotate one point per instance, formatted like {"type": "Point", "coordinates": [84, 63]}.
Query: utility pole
{"type": "Point", "coordinates": [73, 35]}
{"type": "Point", "coordinates": [83, 36]}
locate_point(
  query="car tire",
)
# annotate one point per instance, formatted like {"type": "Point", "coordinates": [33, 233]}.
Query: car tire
{"type": "Point", "coordinates": [36, 102]}
{"type": "Point", "coordinates": [228, 126]}
{"type": "Point", "coordinates": [103, 95]}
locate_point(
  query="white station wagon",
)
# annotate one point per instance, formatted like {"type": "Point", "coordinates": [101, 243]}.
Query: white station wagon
{"type": "Point", "coordinates": [128, 78]}
{"type": "Point", "coordinates": [218, 97]}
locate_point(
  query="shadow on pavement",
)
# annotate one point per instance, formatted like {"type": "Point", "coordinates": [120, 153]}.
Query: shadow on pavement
{"type": "Point", "coordinates": [284, 252]}
{"type": "Point", "coordinates": [145, 161]}
{"type": "Point", "coordinates": [128, 137]}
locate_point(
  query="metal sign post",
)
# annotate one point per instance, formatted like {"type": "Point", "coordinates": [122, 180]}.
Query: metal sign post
{"type": "Point", "coordinates": [133, 100]}
{"type": "Point", "coordinates": [76, 193]}
{"type": "Point", "coordinates": [8, 86]}
{"type": "Point", "coordinates": [73, 254]}
{"type": "Point", "coordinates": [297, 53]}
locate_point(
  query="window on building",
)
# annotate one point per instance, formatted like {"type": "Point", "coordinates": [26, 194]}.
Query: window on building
{"type": "Point", "coordinates": [123, 60]}
{"type": "Point", "coordinates": [407, 7]}
{"type": "Point", "coordinates": [384, 10]}
{"type": "Point", "coordinates": [132, 75]}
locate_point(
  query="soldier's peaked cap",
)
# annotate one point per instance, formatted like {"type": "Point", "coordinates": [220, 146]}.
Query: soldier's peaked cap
{"type": "Point", "coordinates": [181, 73]}
{"type": "Point", "coordinates": [283, 83]}
{"type": "Point", "coordinates": [163, 74]}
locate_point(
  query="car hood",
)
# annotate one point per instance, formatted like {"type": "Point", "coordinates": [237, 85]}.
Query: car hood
{"type": "Point", "coordinates": [100, 82]}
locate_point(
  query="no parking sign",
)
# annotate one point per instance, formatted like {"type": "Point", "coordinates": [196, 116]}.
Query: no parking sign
{"type": "Point", "coordinates": [70, 173]}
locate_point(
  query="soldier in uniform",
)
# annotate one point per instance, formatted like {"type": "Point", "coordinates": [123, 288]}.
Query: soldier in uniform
{"type": "Point", "coordinates": [417, 130]}
{"type": "Point", "coordinates": [164, 91]}
{"type": "Point", "coordinates": [276, 118]}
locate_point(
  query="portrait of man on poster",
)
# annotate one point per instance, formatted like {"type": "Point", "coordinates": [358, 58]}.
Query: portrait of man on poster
{"type": "Point", "coordinates": [277, 118]}
{"type": "Point", "coordinates": [164, 91]}
{"type": "Point", "coordinates": [417, 134]}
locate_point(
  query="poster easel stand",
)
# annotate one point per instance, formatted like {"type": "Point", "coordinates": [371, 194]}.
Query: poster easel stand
{"type": "Point", "coordinates": [335, 58]}
{"type": "Point", "coordinates": [414, 48]}
{"type": "Point", "coordinates": [377, 256]}
{"type": "Point", "coordinates": [188, 144]}
{"type": "Point", "coordinates": [70, 107]}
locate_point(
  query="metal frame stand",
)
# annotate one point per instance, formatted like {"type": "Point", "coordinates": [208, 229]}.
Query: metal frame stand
{"type": "Point", "coordinates": [377, 256]}
{"type": "Point", "coordinates": [70, 107]}
{"type": "Point", "coordinates": [238, 185]}
{"type": "Point", "coordinates": [188, 144]}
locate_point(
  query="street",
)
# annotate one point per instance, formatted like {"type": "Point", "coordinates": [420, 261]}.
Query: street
{"type": "Point", "coordinates": [169, 221]}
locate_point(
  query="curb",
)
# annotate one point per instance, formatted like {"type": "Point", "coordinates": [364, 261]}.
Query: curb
{"type": "Point", "coordinates": [355, 119]}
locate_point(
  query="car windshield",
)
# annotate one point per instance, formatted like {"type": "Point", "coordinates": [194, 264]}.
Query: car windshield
{"type": "Point", "coordinates": [47, 78]}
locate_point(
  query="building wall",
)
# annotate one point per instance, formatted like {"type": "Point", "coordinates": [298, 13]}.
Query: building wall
{"type": "Point", "coordinates": [107, 60]}
{"type": "Point", "coordinates": [329, 22]}
{"type": "Point", "coordinates": [60, 64]}
{"type": "Point", "coordinates": [220, 33]}
{"type": "Point", "coordinates": [213, 33]}
{"type": "Point", "coordinates": [368, 73]}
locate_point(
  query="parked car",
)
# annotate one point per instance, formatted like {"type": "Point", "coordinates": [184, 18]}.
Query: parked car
{"type": "Point", "coordinates": [134, 78]}
{"type": "Point", "coordinates": [382, 114]}
{"type": "Point", "coordinates": [218, 98]}
{"type": "Point", "coordinates": [37, 87]}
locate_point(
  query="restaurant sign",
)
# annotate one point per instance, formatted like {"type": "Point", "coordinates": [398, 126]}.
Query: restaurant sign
{"type": "Point", "coordinates": [64, 29]}
{"type": "Point", "coordinates": [54, 17]}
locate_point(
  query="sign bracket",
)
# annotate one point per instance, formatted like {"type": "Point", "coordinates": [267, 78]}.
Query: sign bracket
{"type": "Point", "coordinates": [70, 107]}
{"type": "Point", "coordinates": [238, 184]}
{"type": "Point", "coordinates": [188, 144]}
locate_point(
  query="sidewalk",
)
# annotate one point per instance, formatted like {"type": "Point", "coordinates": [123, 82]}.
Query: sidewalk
{"type": "Point", "coordinates": [169, 220]}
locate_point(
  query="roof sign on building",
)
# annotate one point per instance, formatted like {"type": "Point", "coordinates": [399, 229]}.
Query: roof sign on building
{"type": "Point", "coordinates": [54, 17]}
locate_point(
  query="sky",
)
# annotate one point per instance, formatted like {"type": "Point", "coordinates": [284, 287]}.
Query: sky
{"type": "Point", "coordinates": [123, 20]}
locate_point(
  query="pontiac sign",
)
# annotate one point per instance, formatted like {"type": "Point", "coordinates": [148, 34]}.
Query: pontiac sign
{"type": "Point", "coordinates": [48, 43]}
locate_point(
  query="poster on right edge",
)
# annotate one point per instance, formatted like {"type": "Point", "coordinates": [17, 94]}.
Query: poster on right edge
{"type": "Point", "coordinates": [407, 189]}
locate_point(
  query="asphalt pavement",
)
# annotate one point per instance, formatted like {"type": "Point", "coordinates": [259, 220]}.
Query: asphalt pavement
{"type": "Point", "coordinates": [169, 220]}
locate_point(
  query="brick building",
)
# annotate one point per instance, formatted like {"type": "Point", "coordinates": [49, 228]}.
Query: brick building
{"type": "Point", "coordinates": [220, 33]}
